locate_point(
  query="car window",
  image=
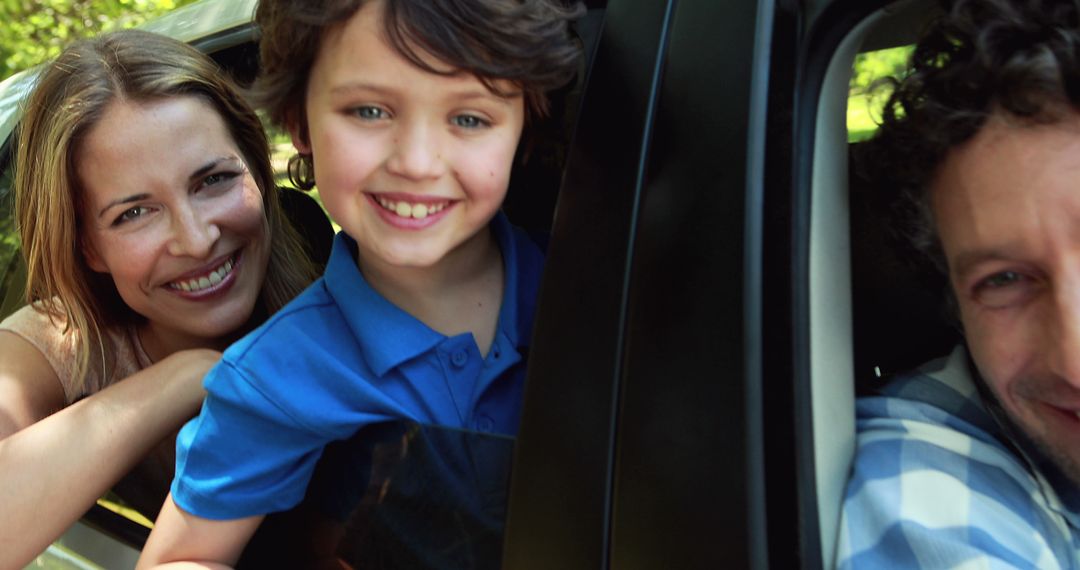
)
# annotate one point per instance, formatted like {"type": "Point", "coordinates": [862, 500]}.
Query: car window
{"type": "Point", "coordinates": [870, 88]}
{"type": "Point", "coordinates": [12, 269]}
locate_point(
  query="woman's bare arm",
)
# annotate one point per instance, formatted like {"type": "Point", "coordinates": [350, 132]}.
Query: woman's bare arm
{"type": "Point", "coordinates": [54, 466]}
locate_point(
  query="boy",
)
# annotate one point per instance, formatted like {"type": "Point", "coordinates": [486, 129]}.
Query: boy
{"type": "Point", "coordinates": [408, 113]}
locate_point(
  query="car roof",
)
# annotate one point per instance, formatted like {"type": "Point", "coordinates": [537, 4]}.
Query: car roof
{"type": "Point", "coordinates": [207, 24]}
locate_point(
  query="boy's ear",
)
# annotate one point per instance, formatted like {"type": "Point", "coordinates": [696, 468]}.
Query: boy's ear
{"type": "Point", "coordinates": [298, 131]}
{"type": "Point", "coordinates": [93, 260]}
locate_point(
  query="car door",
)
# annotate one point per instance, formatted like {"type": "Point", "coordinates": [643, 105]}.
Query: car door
{"type": "Point", "coordinates": [689, 402]}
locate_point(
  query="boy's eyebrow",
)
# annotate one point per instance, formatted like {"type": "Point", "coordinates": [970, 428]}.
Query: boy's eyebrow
{"type": "Point", "coordinates": [470, 92]}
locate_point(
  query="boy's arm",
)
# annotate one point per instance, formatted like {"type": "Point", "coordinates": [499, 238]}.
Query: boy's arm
{"type": "Point", "coordinates": [183, 540]}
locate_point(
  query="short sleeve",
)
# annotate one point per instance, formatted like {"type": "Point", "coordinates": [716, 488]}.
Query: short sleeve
{"type": "Point", "coordinates": [242, 455]}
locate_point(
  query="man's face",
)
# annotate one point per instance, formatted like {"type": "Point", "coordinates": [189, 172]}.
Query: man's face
{"type": "Point", "coordinates": [1007, 208]}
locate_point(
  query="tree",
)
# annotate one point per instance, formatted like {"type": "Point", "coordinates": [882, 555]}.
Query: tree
{"type": "Point", "coordinates": [34, 31]}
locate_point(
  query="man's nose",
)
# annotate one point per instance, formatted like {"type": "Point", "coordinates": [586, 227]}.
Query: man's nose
{"type": "Point", "coordinates": [417, 152]}
{"type": "Point", "coordinates": [1065, 346]}
{"type": "Point", "coordinates": [193, 234]}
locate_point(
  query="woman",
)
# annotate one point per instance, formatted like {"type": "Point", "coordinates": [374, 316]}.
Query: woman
{"type": "Point", "coordinates": [137, 151]}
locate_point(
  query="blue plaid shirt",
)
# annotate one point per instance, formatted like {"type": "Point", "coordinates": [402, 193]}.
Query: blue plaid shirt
{"type": "Point", "coordinates": [936, 483]}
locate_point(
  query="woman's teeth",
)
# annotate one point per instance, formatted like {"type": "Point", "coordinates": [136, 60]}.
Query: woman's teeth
{"type": "Point", "coordinates": [206, 281]}
{"type": "Point", "coordinates": [407, 210]}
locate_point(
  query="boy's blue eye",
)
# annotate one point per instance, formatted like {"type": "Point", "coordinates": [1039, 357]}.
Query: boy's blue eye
{"type": "Point", "coordinates": [469, 122]}
{"type": "Point", "coordinates": [370, 113]}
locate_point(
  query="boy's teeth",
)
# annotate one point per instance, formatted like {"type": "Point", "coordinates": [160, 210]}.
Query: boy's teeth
{"type": "Point", "coordinates": [215, 277]}
{"type": "Point", "coordinates": [407, 210]}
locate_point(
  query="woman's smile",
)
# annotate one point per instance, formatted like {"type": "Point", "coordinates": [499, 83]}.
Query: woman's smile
{"type": "Point", "coordinates": [202, 284]}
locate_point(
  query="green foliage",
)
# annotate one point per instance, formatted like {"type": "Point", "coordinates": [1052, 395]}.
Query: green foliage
{"type": "Point", "coordinates": [870, 88]}
{"type": "Point", "coordinates": [872, 66]}
{"type": "Point", "coordinates": [34, 31]}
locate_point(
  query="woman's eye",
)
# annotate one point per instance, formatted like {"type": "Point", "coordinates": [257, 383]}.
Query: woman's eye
{"type": "Point", "coordinates": [469, 122]}
{"type": "Point", "coordinates": [130, 214]}
{"type": "Point", "coordinates": [370, 113]}
{"type": "Point", "coordinates": [219, 178]}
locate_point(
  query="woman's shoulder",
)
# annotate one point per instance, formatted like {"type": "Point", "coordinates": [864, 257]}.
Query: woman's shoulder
{"type": "Point", "coordinates": [38, 325]}
{"type": "Point", "coordinates": [45, 328]}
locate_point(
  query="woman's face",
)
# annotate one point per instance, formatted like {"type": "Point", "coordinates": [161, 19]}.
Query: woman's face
{"type": "Point", "coordinates": [172, 214]}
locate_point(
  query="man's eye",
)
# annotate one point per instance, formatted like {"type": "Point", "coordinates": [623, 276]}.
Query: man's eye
{"type": "Point", "coordinates": [1004, 289]}
{"type": "Point", "coordinates": [370, 113]}
{"type": "Point", "coordinates": [469, 122]}
{"type": "Point", "coordinates": [1002, 279]}
{"type": "Point", "coordinates": [130, 214]}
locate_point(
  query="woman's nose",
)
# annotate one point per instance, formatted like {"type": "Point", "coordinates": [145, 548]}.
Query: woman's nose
{"type": "Point", "coordinates": [193, 234]}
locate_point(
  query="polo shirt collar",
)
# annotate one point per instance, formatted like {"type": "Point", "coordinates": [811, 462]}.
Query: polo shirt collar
{"type": "Point", "coordinates": [388, 336]}
{"type": "Point", "coordinates": [508, 314]}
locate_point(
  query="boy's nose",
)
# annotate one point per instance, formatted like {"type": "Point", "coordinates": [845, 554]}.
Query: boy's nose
{"type": "Point", "coordinates": [192, 234]}
{"type": "Point", "coordinates": [417, 153]}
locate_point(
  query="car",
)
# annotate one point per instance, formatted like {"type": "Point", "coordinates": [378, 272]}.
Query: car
{"type": "Point", "coordinates": [716, 282]}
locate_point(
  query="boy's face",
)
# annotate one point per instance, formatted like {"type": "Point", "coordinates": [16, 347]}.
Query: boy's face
{"type": "Point", "coordinates": [1008, 213]}
{"type": "Point", "coordinates": [411, 164]}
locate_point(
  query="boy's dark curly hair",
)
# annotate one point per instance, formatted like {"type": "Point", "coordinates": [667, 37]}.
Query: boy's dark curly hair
{"type": "Point", "coordinates": [1019, 58]}
{"type": "Point", "coordinates": [526, 42]}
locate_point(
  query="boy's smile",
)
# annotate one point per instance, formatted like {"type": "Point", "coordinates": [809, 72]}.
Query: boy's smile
{"type": "Point", "coordinates": [411, 164]}
{"type": "Point", "coordinates": [411, 212]}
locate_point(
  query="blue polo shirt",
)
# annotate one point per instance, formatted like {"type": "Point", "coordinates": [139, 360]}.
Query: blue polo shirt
{"type": "Point", "coordinates": [335, 359]}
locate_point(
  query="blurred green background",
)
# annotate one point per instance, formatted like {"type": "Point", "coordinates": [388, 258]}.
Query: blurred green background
{"type": "Point", "coordinates": [32, 31]}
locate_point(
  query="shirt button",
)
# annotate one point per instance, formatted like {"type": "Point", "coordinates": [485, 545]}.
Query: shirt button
{"type": "Point", "coordinates": [484, 423]}
{"type": "Point", "coordinates": [459, 358]}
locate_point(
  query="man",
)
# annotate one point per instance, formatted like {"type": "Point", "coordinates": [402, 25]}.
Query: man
{"type": "Point", "coordinates": [974, 460]}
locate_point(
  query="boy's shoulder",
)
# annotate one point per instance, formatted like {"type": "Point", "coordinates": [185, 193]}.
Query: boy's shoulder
{"type": "Point", "coordinates": [302, 324]}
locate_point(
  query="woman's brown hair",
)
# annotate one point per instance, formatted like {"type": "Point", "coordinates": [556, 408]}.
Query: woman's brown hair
{"type": "Point", "coordinates": [70, 98]}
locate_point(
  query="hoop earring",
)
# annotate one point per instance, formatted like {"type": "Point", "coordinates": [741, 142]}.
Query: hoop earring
{"type": "Point", "coordinates": [301, 171]}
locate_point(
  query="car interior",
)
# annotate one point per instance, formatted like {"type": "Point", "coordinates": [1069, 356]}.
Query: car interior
{"type": "Point", "coordinates": [873, 314]}
{"type": "Point", "coordinates": [870, 315]}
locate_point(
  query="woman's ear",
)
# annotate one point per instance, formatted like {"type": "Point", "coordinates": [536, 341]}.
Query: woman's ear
{"type": "Point", "coordinates": [93, 260]}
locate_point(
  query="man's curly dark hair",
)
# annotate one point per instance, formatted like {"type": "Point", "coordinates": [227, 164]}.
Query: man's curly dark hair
{"type": "Point", "coordinates": [1019, 58]}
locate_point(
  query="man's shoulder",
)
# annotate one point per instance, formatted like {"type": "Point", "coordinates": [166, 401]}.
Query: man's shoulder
{"type": "Point", "coordinates": [931, 471]}
{"type": "Point", "coordinates": [941, 394]}
{"type": "Point", "coordinates": [931, 420]}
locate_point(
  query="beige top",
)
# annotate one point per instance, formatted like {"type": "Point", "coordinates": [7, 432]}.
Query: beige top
{"type": "Point", "coordinates": [59, 349]}
{"type": "Point", "coordinates": [145, 487]}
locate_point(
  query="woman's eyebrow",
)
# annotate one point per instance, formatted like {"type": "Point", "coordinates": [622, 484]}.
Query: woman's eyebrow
{"type": "Point", "coordinates": [122, 201]}
{"type": "Point", "coordinates": [197, 174]}
{"type": "Point", "coordinates": [211, 165]}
